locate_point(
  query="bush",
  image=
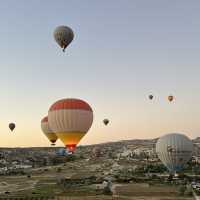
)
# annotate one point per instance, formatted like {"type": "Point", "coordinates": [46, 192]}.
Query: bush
{"type": "Point", "coordinates": [182, 190]}
{"type": "Point", "coordinates": [58, 169]}
{"type": "Point", "coordinates": [158, 168]}
{"type": "Point", "coordinates": [107, 191]}
{"type": "Point", "coordinates": [188, 192]}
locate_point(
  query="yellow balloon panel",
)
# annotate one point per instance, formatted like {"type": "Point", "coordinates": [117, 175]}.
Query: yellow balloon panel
{"type": "Point", "coordinates": [69, 138]}
{"type": "Point", "coordinates": [51, 136]}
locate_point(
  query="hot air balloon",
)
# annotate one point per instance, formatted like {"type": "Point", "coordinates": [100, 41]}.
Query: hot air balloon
{"type": "Point", "coordinates": [63, 35]}
{"type": "Point", "coordinates": [150, 96]}
{"type": "Point", "coordinates": [174, 150]}
{"type": "Point", "coordinates": [11, 126]}
{"type": "Point", "coordinates": [106, 121]}
{"type": "Point", "coordinates": [70, 119]}
{"type": "Point", "coordinates": [47, 131]}
{"type": "Point", "coordinates": [170, 98]}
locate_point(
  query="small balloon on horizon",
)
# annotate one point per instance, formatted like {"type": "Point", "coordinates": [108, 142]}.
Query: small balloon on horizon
{"type": "Point", "coordinates": [151, 97]}
{"type": "Point", "coordinates": [12, 126]}
{"type": "Point", "coordinates": [170, 98]}
{"type": "Point", "coordinates": [106, 121]}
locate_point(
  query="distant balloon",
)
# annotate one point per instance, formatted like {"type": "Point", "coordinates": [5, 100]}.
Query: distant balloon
{"type": "Point", "coordinates": [70, 119]}
{"type": "Point", "coordinates": [63, 35]}
{"type": "Point", "coordinates": [170, 98]}
{"type": "Point", "coordinates": [174, 150]}
{"type": "Point", "coordinates": [47, 131]}
{"type": "Point", "coordinates": [150, 96]}
{"type": "Point", "coordinates": [11, 126]}
{"type": "Point", "coordinates": [106, 121]}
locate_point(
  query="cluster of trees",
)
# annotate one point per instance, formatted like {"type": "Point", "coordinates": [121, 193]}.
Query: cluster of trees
{"type": "Point", "coordinates": [192, 167]}
{"type": "Point", "coordinates": [155, 168]}
{"type": "Point", "coordinates": [158, 168]}
{"type": "Point", "coordinates": [63, 159]}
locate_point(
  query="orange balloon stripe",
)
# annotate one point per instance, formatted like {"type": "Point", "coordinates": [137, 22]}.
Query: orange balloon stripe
{"type": "Point", "coordinates": [45, 119]}
{"type": "Point", "coordinates": [70, 104]}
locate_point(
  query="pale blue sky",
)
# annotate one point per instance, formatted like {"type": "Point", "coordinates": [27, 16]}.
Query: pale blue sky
{"type": "Point", "coordinates": [123, 50]}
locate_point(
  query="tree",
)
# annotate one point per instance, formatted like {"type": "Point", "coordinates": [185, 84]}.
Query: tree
{"type": "Point", "coordinates": [182, 189]}
{"type": "Point", "coordinates": [58, 169]}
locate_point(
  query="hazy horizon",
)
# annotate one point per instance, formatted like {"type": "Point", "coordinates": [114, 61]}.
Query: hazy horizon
{"type": "Point", "coordinates": [122, 52]}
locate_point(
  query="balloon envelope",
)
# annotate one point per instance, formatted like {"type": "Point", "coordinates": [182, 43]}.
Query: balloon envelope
{"type": "Point", "coordinates": [151, 97]}
{"type": "Point", "coordinates": [70, 119]}
{"type": "Point", "coordinates": [106, 121]}
{"type": "Point", "coordinates": [63, 35]}
{"type": "Point", "coordinates": [174, 150]}
{"type": "Point", "coordinates": [47, 131]}
{"type": "Point", "coordinates": [170, 98]}
{"type": "Point", "coordinates": [12, 126]}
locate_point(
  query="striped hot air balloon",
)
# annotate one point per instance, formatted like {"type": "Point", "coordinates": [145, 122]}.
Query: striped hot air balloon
{"type": "Point", "coordinates": [47, 131]}
{"type": "Point", "coordinates": [70, 119]}
{"type": "Point", "coordinates": [174, 150]}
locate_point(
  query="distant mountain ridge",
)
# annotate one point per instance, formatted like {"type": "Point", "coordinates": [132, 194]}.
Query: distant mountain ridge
{"type": "Point", "coordinates": [120, 142]}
